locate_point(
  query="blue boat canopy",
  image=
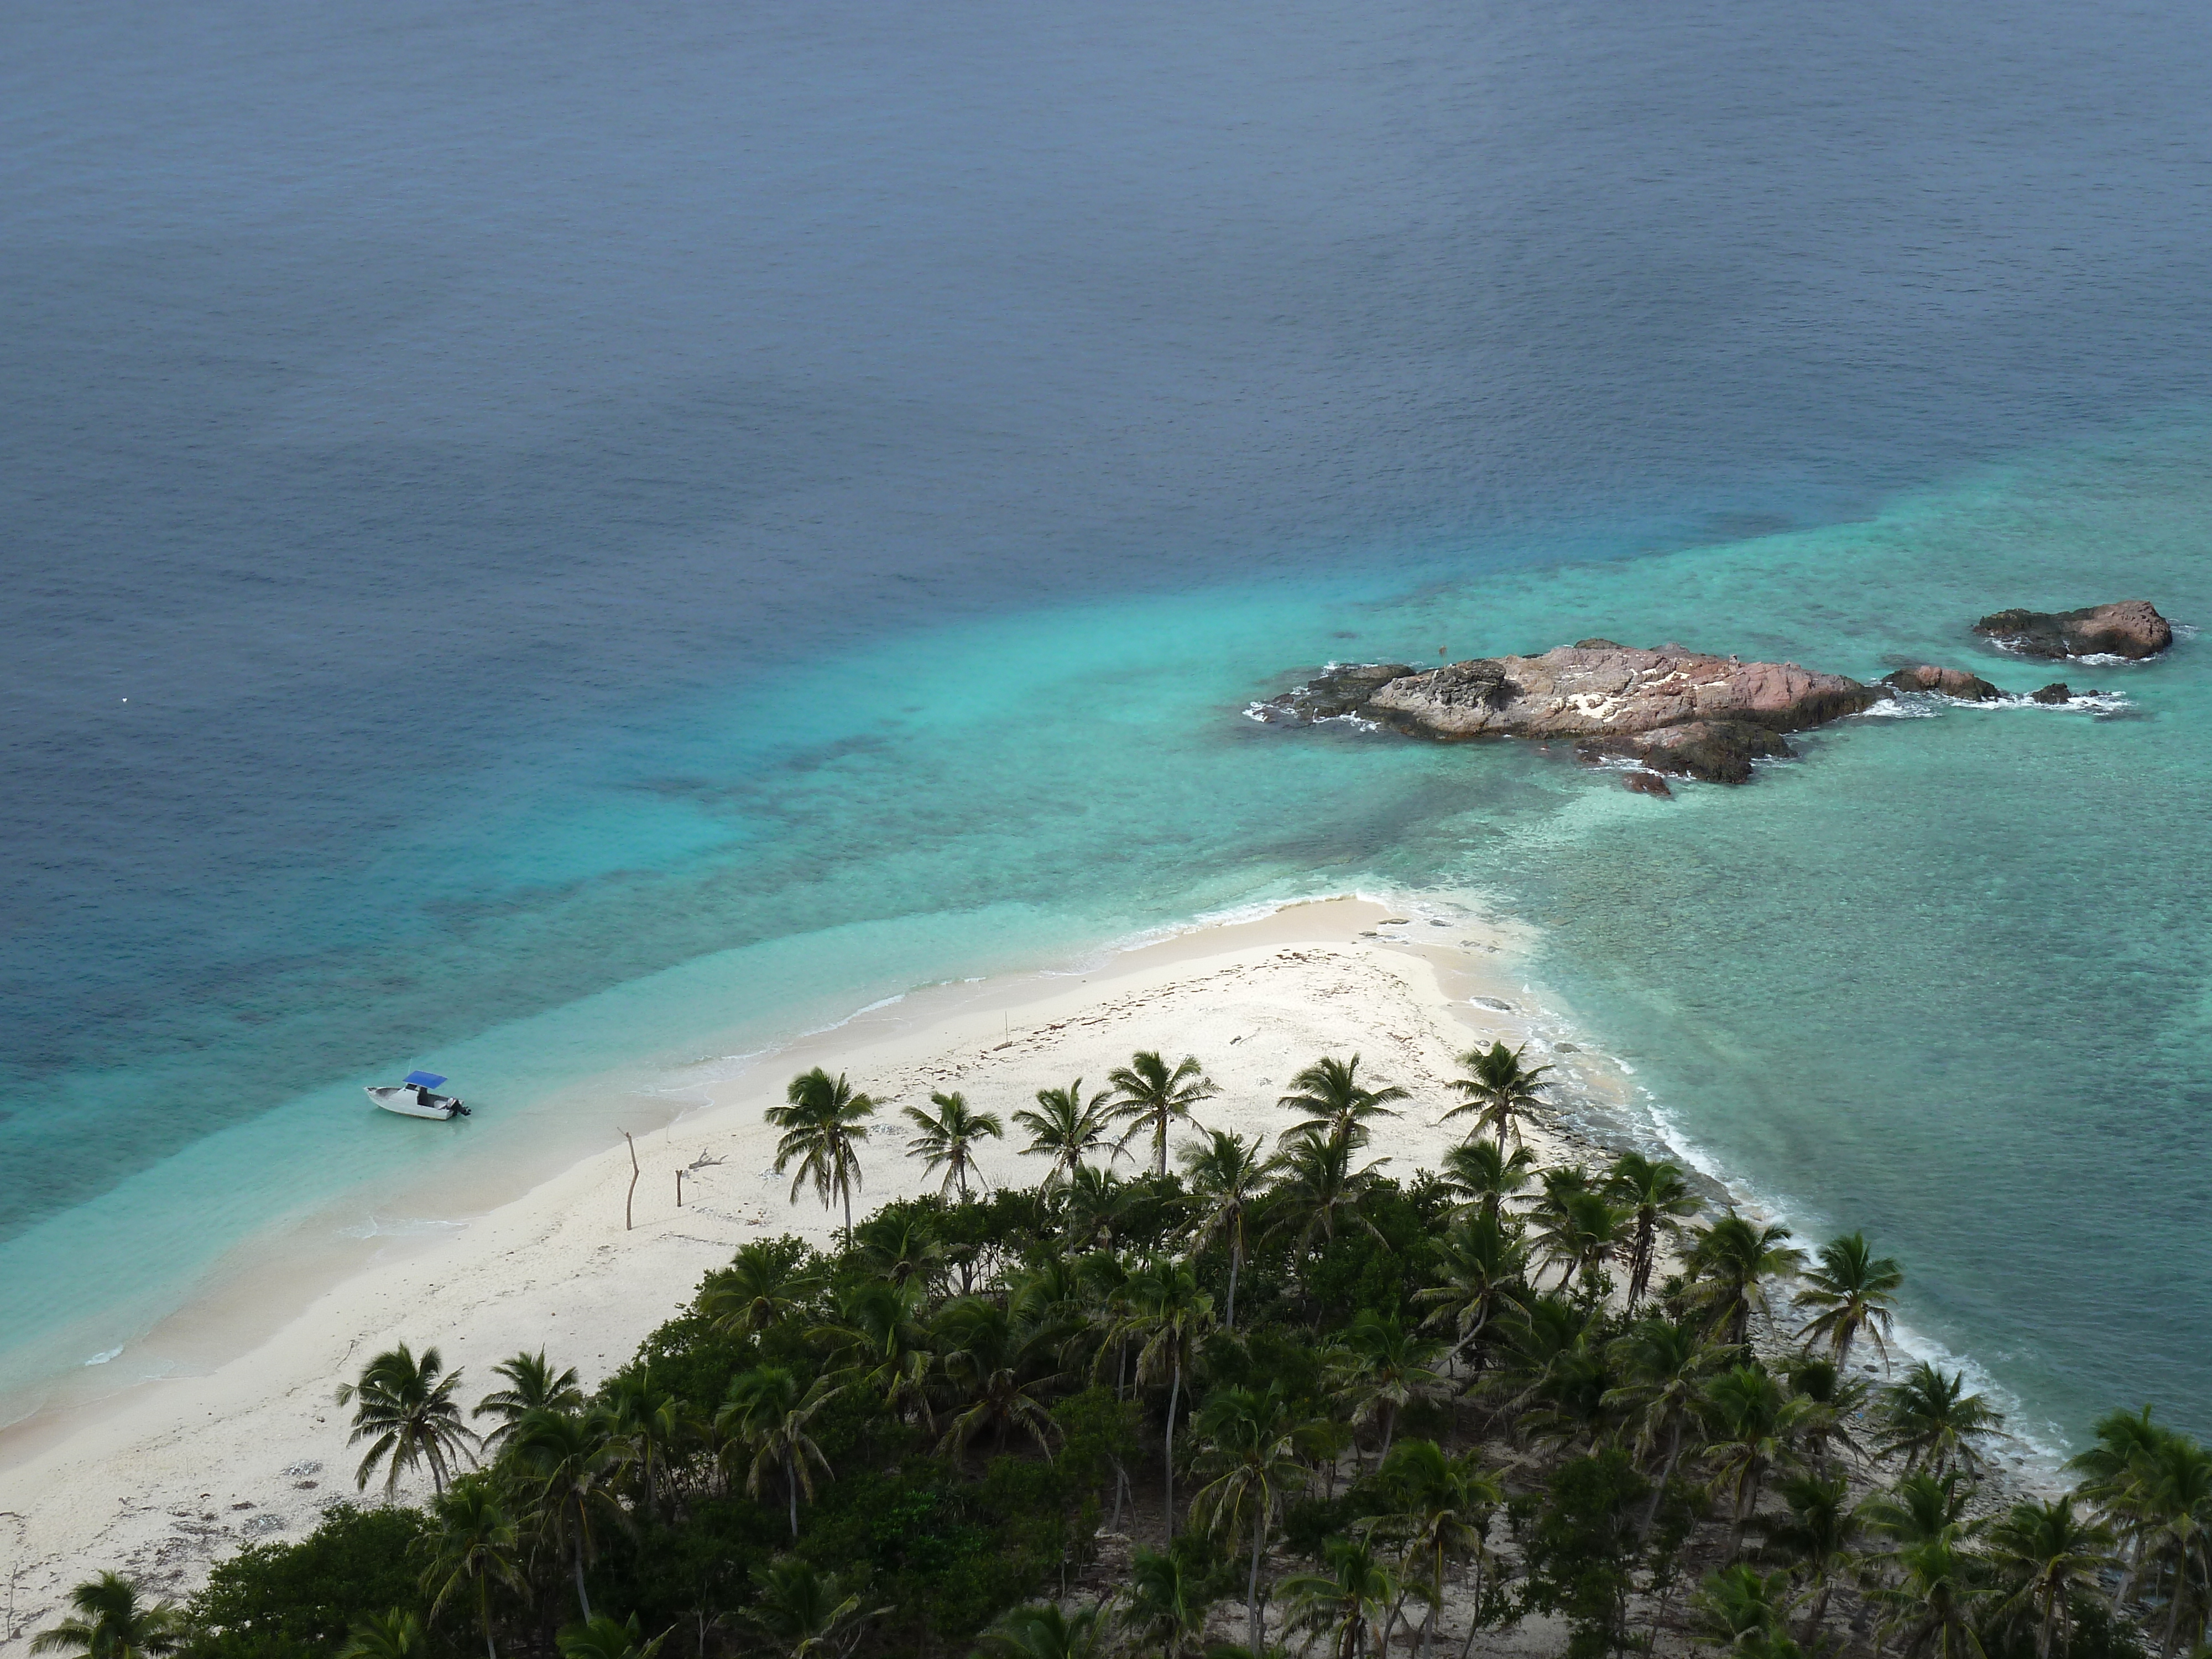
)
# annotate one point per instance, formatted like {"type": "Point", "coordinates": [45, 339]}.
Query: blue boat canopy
{"type": "Point", "coordinates": [425, 1080]}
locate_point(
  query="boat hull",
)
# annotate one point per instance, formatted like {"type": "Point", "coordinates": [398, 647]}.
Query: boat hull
{"type": "Point", "coordinates": [399, 1099]}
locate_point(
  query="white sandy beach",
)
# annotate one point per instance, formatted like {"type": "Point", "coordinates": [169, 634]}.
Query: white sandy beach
{"type": "Point", "coordinates": [170, 1475]}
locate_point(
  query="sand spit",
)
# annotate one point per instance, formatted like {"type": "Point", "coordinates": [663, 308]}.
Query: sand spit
{"type": "Point", "coordinates": [172, 1474]}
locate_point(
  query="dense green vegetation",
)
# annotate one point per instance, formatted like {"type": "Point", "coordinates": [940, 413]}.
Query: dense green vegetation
{"type": "Point", "coordinates": [1276, 1396]}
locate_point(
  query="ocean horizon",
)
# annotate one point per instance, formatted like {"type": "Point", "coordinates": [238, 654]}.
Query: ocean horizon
{"type": "Point", "coordinates": [522, 582]}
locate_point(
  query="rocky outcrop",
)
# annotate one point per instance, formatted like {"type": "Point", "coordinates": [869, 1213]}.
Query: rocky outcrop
{"type": "Point", "coordinates": [1950, 681]}
{"type": "Point", "coordinates": [1598, 687]}
{"type": "Point", "coordinates": [2058, 691]}
{"type": "Point", "coordinates": [1340, 689]}
{"type": "Point", "coordinates": [1646, 783]}
{"type": "Point", "coordinates": [2130, 628]}
{"type": "Point", "coordinates": [1676, 710]}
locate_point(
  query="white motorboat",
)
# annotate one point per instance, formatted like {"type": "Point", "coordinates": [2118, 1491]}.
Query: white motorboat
{"type": "Point", "coordinates": [414, 1098]}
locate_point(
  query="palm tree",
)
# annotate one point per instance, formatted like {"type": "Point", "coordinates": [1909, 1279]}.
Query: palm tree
{"type": "Point", "coordinates": [603, 1637]}
{"type": "Point", "coordinates": [1839, 1400]}
{"type": "Point", "coordinates": [1742, 1607]}
{"type": "Point", "coordinates": [1150, 1095]}
{"type": "Point", "coordinates": [1350, 1603]}
{"type": "Point", "coordinates": [1251, 1463]}
{"type": "Point", "coordinates": [408, 1414]}
{"type": "Point", "coordinates": [1166, 1601]}
{"type": "Point", "coordinates": [1933, 1420]}
{"type": "Point", "coordinates": [1321, 1186]}
{"type": "Point", "coordinates": [948, 1140]}
{"type": "Point", "coordinates": [1484, 1267]}
{"type": "Point", "coordinates": [1935, 1605]}
{"type": "Point", "coordinates": [1921, 1506]}
{"type": "Point", "coordinates": [1379, 1366]}
{"type": "Point", "coordinates": [1753, 1422]}
{"type": "Point", "coordinates": [2168, 1506]}
{"type": "Point", "coordinates": [1853, 1290]}
{"type": "Point", "coordinates": [644, 1427]}
{"type": "Point", "coordinates": [1580, 1231]}
{"type": "Point", "coordinates": [763, 1285]}
{"type": "Point", "coordinates": [1668, 1367]}
{"type": "Point", "coordinates": [1090, 1207]}
{"type": "Point", "coordinates": [2124, 1440]}
{"type": "Point", "coordinates": [1067, 1128]}
{"type": "Point", "coordinates": [1002, 1364]}
{"type": "Point", "coordinates": [1732, 1259]}
{"type": "Point", "coordinates": [806, 1614]}
{"type": "Point", "coordinates": [879, 1326]}
{"type": "Point", "coordinates": [1168, 1312]}
{"type": "Point", "coordinates": [769, 1415]}
{"type": "Point", "coordinates": [1486, 1174]}
{"type": "Point", "coordinates": [1047, 1632]}
{"type": "Point", "coordinates": [567, 1465]}
{"type": "Point", "coordinates": [1436, 1508]}
{"type": "Point", "coordinates": [474, 1548]}
{"type": "Point", "coordinates": [1657, 1198]}
{"type": "Point", "coordinates": [1818, 1537]}
{"type": "Point", "coordinates": [1500, 1090]}
{"type": "Point", "coordinates": [394, 1635]}
{"type": "Point", "coordinates": [2052, 1558]}
{"type": "Point", "coordinates": [824, 1122]}
{"type": "Point", "coordinates": [532, 1385]}
{"type": "Point", "coordinates": [1334, 1100]}
{"type": "Point", "coordinates": [901, 1245]}
{"type": "Point", "coordinates": [107, 1622]}
{"type": "Point", "coordinates": [1225, 1172]}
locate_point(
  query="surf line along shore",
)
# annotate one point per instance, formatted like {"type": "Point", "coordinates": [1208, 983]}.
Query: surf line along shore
{"type": "Point", "coordinates": [166, 1478]}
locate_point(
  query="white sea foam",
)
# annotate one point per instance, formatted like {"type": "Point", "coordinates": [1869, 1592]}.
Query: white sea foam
{"type": "Point", "coordinates": [1907, 706]}
{"type": "Point", "coordinates": [103, 1359]}
{"type": "Point", "coordinates": [402, 1227]}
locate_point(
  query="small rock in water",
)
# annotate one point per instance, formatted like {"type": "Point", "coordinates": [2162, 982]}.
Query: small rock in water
{"type": "Point", "coordinates": [2130, 628]}
{"type": "Point", "coordinates": [1492, 1002]}
{"type": "Point", "coordinates": [1951, 682]}
{"type": "Point", "coordinates": [2054, 692]}
{"type": "Point", "coordinates": [1647, 783]}
{"type": "Point", "coordinates": [1718, 752]}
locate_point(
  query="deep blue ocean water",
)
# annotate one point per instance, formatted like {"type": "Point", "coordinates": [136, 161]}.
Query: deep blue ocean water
{"type": "Point", "coordinates": [536, 533]}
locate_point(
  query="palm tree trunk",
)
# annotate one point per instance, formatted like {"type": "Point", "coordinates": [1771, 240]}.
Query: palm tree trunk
{"type": "Point", "coordinates": [1174, 1399]}
{"type": "Point", "coordinates": [1819, 1611]}
{"type": "Point", "coordinates": [1659, 1489]}
{"type": "Point", "coordinates": [1236, 1261]}
{"type": "Point", "coordinates": [1252, 1582]}
{"type": "Point", "coordinates": [791, 1487]}
{"type": "Point", "coordinates": [1475, 1616]}
{"type": "Point", "coordinates": [576, 1558]}
{"type": "Point", "coordinates": [484, 1615]}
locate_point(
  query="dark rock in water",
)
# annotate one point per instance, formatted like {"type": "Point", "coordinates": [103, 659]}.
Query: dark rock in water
{"type": "Point", "coordinates": [2129, 628]}
{"type": "Point", "coordinates": [1340, 689]}
{"type": "Point", "coordinates": [1718, 752]}
{"type": "Point", "coordinates": [1720, 712]}
{"type": "Point", "coordinates": [1647, 783]}
{"type": "Point", "coordinates": [1951, 682]}
{"type": "Point", "coordinates": [2054, 692]}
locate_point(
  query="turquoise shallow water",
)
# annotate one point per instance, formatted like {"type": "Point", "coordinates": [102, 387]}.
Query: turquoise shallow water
{"type": "Point", "coordinates": [1941, 979]}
